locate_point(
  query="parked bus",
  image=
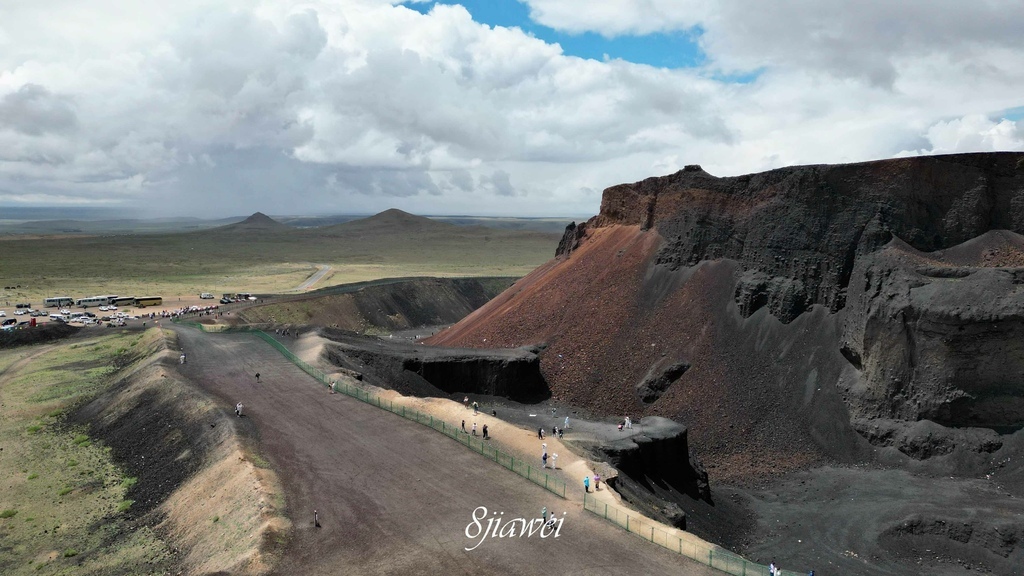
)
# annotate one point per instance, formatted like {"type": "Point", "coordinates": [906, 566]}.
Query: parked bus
{"type": "Point", "coordinates": [142, 302]}
{"type": "Point", "coordinates": [96, 301]}
{"type": "Point", "coordinates": [58, 302]}
{"type": "Point", "coordinates": [123, 301]}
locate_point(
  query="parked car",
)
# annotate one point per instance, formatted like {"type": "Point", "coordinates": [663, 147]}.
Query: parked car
{"type": "Point", "coordinates": [9, 322]}
{"type": "Point", "coordinates": [19, 312]}
{"type": "Point", "coordinates": [2, 313]}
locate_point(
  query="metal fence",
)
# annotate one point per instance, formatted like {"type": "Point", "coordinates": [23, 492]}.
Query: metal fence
{"type": "Point", "coordinates": [708, 554]}
{"type": "Point", "coordinates": [477, 444]}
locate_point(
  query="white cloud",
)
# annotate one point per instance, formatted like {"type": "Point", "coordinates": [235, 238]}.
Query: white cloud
{"type": "Point", "coordinates": [973, 133]}
{"type": "Point", "coordinates": [359, 105]}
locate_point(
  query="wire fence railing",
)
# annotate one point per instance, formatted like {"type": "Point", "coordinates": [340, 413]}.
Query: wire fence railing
{"type": "Point", "coordinates": [476, 443]}
{"type": "Point", "coordinates": [695, 549]}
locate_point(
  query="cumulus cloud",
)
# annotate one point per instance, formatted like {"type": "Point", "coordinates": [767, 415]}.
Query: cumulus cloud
{"type": "Point", "coordinates": [360, 105]}
{"type": "Point", "coordinates": [32, 110]}
{"type": "Point", "coordinates": [975, 133]}
{"type": "Point", "coordinates": [868, 39]}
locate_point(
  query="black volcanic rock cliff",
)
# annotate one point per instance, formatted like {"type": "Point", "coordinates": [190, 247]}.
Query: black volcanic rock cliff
{"type": "Point", "coordinates": [798, 231]}
{"type": "Point", "coordinates": [802, 312]}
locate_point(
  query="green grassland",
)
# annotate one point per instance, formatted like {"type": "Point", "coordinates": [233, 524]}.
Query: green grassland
{"type": "Point", "coordinates": [263, 259]}
{"type": "Point", "coordinates": [63, 500]}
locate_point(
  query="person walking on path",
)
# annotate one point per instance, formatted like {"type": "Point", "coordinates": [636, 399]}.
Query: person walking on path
{"type": "Point", "coordinates": [257, 377]}
{"type": "Point", "coordinates": [554, 461]}
{"type": "Point", "coordinates": [465, 401]}
{"type": "Point", "coordinates": [586, 483]}
{"type": "Point", "coordinates": [474, 428]}
{"type": "Point", "coordinates": [316, 519]}
{"type": "Point", "coordinates": [181, 359]}
{"type": "Point", "coordinates": [566, 425]}
{"type": "Point", "coordinates": [540, 433]}
{"type": "Point", "coordinates": [476, 407]}
{"type": "Point", "coordinates": [629, 423]}
{"type": "Point", "coordinates": [561, 431]}
{"type": "Point", "coordinates": [544, 458]}
{"type": "Point", "coordinates": [463, 425]}
{"type": "Point", "coordinates": [597, 482]}
{"type": "Point", "coordinates": [238, 409]}
{"type": "Point", "coordinates": [485, 432]}
{"type": "Point", "coordinates": [544, 514]}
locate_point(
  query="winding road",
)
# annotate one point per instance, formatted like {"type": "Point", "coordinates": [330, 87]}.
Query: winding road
{"type": "Point", "coordinates": [393, 496]}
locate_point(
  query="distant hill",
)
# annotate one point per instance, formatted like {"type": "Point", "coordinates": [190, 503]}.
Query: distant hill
{"type": "Point", "coordinates": [258, 222]}
{"type": "Point", "coordinates": [390, 222]}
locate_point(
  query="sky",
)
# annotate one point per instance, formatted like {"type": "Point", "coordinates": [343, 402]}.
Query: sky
{"type": "Point", "coordinates": [484, 107]}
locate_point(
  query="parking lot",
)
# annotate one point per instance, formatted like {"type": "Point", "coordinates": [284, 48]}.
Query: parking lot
{"type": "Point", "coordinates": [20, 314]}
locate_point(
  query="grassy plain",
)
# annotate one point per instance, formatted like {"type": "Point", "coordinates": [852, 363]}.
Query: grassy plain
{"type": "Point", "coordinates": [63, 500]}
{"type": "Point", "coordinates": [262, 258]}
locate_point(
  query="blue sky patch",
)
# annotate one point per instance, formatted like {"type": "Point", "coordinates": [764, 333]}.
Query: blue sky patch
{"type": "Point", "coordinates": [674, 50]}
{"type": "Point", "coordinates": [1013, 114]}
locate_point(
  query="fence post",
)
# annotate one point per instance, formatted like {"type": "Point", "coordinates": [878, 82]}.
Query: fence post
{"type": "Point", "coordinates": [711, 557]}
{"type": "Point", "coordinates": [652, 533]}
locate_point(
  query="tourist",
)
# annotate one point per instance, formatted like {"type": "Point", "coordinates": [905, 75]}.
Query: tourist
{"type": "Point", "coordinates": [465, 401]}
{"type": "Point", "coordinates": [463, 425]}
{"type": "Point", "coordinates": [485, 432]}
{"type": "Point", "coordinates": [257, 377]}
{"type": "Point", "coordinates": [316, 519]}
{"type": "Point", "coordinates": [566, 425]}
{"type": "Point", "coordinates": [597, 482]}
{"type": "Point", "coordinates": [474, 428]}
{"type": "Point", "coordinates": [476, 407]}
{"type": "Point", "coordinates": [544, 514]}
{"type": "Point", "coordinates": [238, 409]}
{"type": "Point", "coordinates": [586, 483]}
{"type": "Point", "coordinates": [554, 461]}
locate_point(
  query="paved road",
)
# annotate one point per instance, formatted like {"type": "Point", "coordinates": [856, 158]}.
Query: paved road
{"type": "Point", "coordinates": [323, 269]}
{"type": "Point", "coordinates": [395, 497]}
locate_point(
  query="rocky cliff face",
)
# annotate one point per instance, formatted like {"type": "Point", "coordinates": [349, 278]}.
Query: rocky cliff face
{"type": "Point", "coordinates": [780, 312]}
{"type": "Point", "coordinates": [797, 232]}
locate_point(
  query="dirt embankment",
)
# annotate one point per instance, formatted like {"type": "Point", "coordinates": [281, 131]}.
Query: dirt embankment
{"type": "Point", "coordinates": [383, 306]}
{"type": "Point", "coordinates": [196, 485]}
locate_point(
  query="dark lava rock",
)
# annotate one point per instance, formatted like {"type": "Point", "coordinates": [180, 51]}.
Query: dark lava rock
{"type": "Point", "coordinates": [655, 384]}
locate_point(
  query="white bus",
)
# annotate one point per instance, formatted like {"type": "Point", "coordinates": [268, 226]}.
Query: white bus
{"type": "Point", "coordinates": [95, 301]}
{"type": "Point", "coordinates": [58, 302]}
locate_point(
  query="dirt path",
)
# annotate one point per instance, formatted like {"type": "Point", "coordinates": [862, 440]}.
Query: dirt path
{"type": "Point", "coordinates": [323, 269]}
{"type": "Point", "coordinates": [393, 496]}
